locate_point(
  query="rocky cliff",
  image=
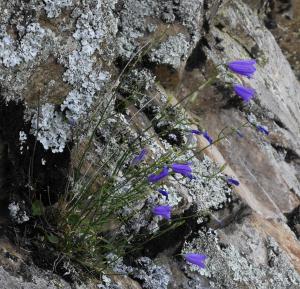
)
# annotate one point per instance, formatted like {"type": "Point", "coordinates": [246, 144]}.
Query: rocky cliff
{"type": "Point", "coordinates": [64, 64]}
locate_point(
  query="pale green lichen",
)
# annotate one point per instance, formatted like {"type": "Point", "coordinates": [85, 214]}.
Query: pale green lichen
{"type": "Point", "coordinates": [13, 53]}
{"type": "Point", "coordinates": [134, 18]}
{"type": "Point", "coordinates": [52, 131]}
{"type": "Point", "coordinates": [53, 7]}
{"type": "Point", "coordinates": [171, 52]}
{"type": "Point", "coordinates": [145, 270]}
{"type": "Point", "coordinates": [232, 268]}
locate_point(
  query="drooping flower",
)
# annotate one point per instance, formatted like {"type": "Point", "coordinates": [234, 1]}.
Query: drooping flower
{"type": "Point", "coordinates": [164, 193]}
{"type": "Point", "coordinates": [246, 93]}
{"type": "Point", "coordinates": [232, 181]}
{"type": "Point", "coordinates": [208, 137]}
{"type": "Point", "coordinates": [196, 259]}
{"type": "Point", "coordinates": [204, 133]}
{"type": "Point", "coordinates": [263, 129]}
{"type": "Point", "coordinates": [153, 178]}
{"type": "Point", "coordinates": [183, 169]}
{"type": "Point", "coordinates": [240, 134]}
{"type": "Point", "coordinates": [243, 67]}
{"type": "Point", "coordinates": [164, 211]}
{"type": "Point", "coordinates": [196, 131]}
{"type": "Point", "coordinates": [140, 157]}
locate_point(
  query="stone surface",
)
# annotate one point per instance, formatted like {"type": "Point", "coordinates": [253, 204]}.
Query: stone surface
{"type": "Point", "coordinates": [275, 105]}
{"type": "Point", "coordinates": [60, 64]}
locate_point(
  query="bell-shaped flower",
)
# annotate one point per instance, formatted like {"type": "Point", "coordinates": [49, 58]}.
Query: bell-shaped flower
{"type": "Point", "coordinates": [208, 137]}
{"type": "Point", "coordinates": [164, 193]}
{"type": "Point", "coordinates": [196, 131]}
{"type": "Point", "coordinates": [140, 157]}
{"type": "Point", "coordinates": [183, 169]}
{"type": "Point", "coordinates": [163, 211]}
{"type": "Point", "coordinates": [245, 93]}
{"type": "Point", "coordinates": [243, 67]}
{"type": "Point", "coordinates": [154, 178]}
{"type": "Point", "coordinates": [232, 181]}
{"type": "Point", "coordinates": [196, 259]}
{"type": "Point", "coordinates": [263, 129]}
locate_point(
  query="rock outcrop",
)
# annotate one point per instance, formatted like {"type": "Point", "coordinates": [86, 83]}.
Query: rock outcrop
{"type": "Point", "coordinates": [60, 65]}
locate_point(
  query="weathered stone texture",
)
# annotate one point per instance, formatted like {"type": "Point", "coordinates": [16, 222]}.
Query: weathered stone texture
{"type": "Point", "coordinates": [61, 58]}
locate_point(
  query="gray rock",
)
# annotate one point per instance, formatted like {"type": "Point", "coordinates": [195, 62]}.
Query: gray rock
{"type": "Point", "coordinates": [62, 61]}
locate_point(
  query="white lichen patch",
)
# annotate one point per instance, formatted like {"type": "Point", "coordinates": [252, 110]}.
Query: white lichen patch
{"type": "Point", "coordinates": [17, 212]}
{"type": "Point", "coordinates": [8, 54]}
{"type": "Point", "coordinates": [107, 283]}
{"type": "Point", "coordinates": [53, 131]}
{"type": "Point", "coordinates": [134, 23]}
{"type": "Point", "coordinates": [92, 28]}
{"type": "Point", "coordinates": [151, 275]}
{"type": "Point", "coordinates": [53, 7]}
{"type": "Point", "coordinates": [22, 139]}
{"type": "Point", "coordinates": [171, 52]}
{"type": "Point", "coordinates": [13, 53]}
{"type": "Point", "coordinates": [206, 191]}
{"type": "Point", "coordinates": [230, 267]}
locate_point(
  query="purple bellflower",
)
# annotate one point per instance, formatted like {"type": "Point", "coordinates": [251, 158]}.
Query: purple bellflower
{"type": "Point", "coordinates": [263, 129]}
{"type": "Point", "coordinates": [183, 169]}
{"type": "Point", "coordinates": [140, 157]}
{"type": "Point", "coordinates": [246, 93]}
{"type": "Point", "coordinates": [164, 211]}
{"type": "Point", "coordinates": [205, 134]}
{"type": "Point", "coordinates": [232, 181]}
{"type": "Point", "coordinates": [196, 259]}
{"type": "Point", "coordinates": [164, 193]}
{"type": "Point", "coordinates": [243, 67]}
{"type": "Point", "coordinates": [196, 131]}
{"type": "Point", "coordinates": [208, 137]}
{"type": "Point", "coordinates": [153, 178]}
{"type": "Point", "coordinates": [240, 134]}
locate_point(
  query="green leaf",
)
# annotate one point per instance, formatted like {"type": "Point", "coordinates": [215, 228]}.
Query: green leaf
{"type": "Point", "coordinates": [223, 167]}
{"type": "Point", "coordinates": [52, 239]}
{"type": "Point", "coordinates": [37, 208]}
{"type": "Point", "coordinates": [73, 219]}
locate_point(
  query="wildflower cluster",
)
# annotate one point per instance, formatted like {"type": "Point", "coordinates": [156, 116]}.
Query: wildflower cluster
{"type": "Point", "coordinates": [241, 67]}
{"type": "Point", "coordinates": [98, 202]}
{"type": "Point", "coordinates": [246, 68]}
{"type": "Point", "coordinates": [165, 210]}
{"type": "Point", "coordinates": [183, 169]}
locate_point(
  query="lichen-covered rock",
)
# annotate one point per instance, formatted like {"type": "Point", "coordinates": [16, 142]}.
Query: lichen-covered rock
{"type": "Point", "coordinates": [73, 45]}
{"type": "Point", "coordinates": [172, 52]}
{"type": "Point", "coordinates": [63, 62]}
{"type": "Point", "coordinates": [252, 261]}
{"type": "Point", "coordinates": [275, 106]}
{"type": "Point", "coordinates": [53, 7]}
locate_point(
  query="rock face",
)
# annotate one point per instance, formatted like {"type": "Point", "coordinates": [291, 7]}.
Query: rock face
{"type": "Point", "coordinates": [278, 105]}
{"type": "Point", "coordinates": [61, 64]}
